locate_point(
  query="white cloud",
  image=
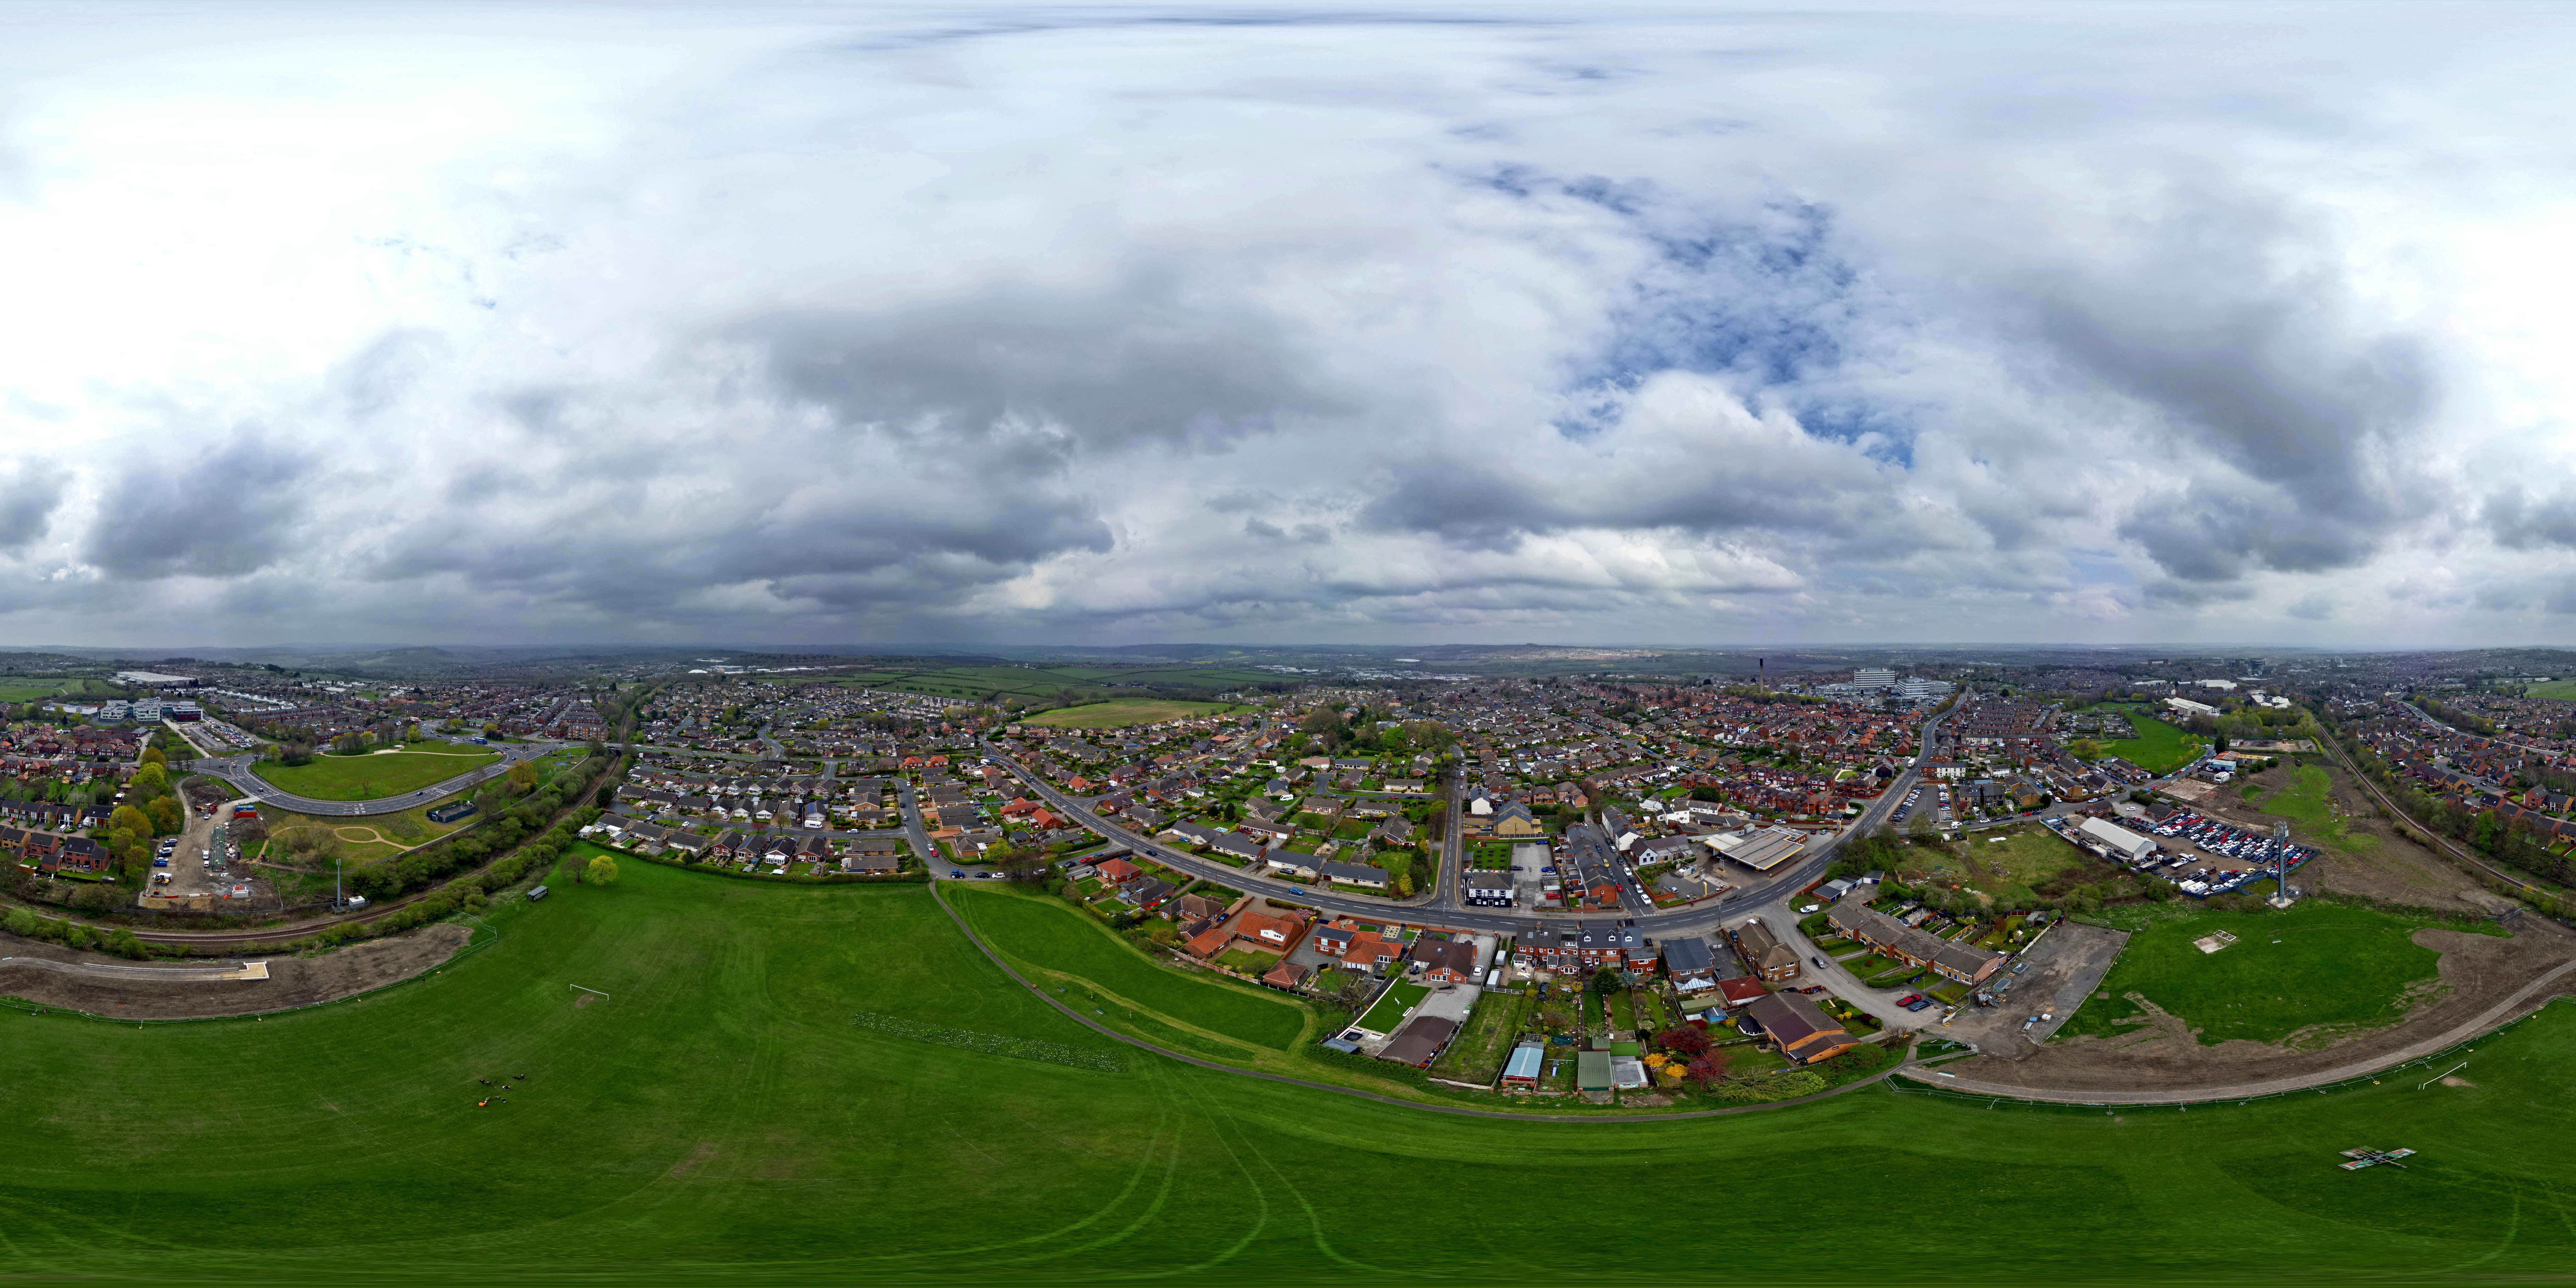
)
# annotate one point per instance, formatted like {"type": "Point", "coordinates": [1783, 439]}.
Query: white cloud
{"type": "Point", "coordinates": [765, 325]}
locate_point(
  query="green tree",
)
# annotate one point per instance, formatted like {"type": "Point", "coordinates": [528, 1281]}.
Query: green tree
{"type": "Point", "coordinates": [128, 819]}
{"type": "Point", "coordinates": [165, 815]}
{"type": "Point", "coordinates": [151, 779]}
{"type": "Point", "coordinates": [523, 777]}
{"type": "Point", "coordinates": [153, 756]}
{"type": "Point", "coordinates": [601, 872]}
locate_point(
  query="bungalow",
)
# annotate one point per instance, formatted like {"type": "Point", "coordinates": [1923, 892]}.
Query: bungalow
{"type": "Point", "coordinates": [1363, 875]}
{"type": "Point", "coordinates": [865, 861]}
{"type": "Point", "coordinates": [1146, 893]}
{"type": "Point", "coordinates": [1740, 991]}
{"type": "Point", "coordinates": [1396, 831]}
{"type": "Point", "coordinates": [1241, 847]}
{"type": "Point", "coordinates": [1194, 833]}
{"type": "Point", "coordinates": [1266, 831]}
{"type": "Point", "coordinates": [1421, 1041]}
{"type": "Point", "coordinates": [1286, 974]}
{"type": "Point", "coordinates": [1195, 906]}
{"type": "Point", "coordinates": [1763, 953]}
{"type": "Point", "coordinates": [1118, 871]}
{"type": "Point", "coordinates": [1291, 863]}
{"type": "Point", "coordinates": [1802, 1033]}
{"type": "Point", "coordinates": [1488, 889]}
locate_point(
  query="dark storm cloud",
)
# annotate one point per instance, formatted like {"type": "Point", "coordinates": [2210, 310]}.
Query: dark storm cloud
{"type": "Point", "coordinates": [2522, 522]}
{"type": "Point", "coordinates": [29, 494]}
{"type": "Point", "coordinates": [228, 510]}
{"type": "Point", "coordinates": [1144, 361]}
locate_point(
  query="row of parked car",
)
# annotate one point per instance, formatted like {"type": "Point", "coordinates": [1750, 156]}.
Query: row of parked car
{"type": "Point", "coordinates": [2257, 850]}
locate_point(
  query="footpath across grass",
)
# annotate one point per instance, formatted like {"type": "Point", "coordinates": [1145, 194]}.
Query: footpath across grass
{"type": "Point", "coordinates": [370, 777]}
{"type": "Point", "coordinates": [1056, 938]}
{"type": "Point", "coordinates": [832, 1085]}
{"type": "Point", "coordinates": [2318, 968]}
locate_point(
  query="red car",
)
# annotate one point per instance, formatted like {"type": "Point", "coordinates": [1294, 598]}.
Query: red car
{"type": "Point", "coordinates": [1909, 999]}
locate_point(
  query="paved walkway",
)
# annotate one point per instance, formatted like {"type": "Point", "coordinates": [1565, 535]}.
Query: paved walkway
{"type": "Point", "coordinates": [2494, 1016]}
{"type": "Point", "coordinates": [98, 970]}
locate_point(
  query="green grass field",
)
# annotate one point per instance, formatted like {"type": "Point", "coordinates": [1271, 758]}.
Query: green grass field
{"type": "Point", "coordinates": [2159, 748]}
{"type": "Point", "coordinates": [372, 837]}
{"type": "Point", "coordinates": [30, 690]}
{"type": "Point", "coordinates": [2307, 800]}
{"type": "Point", "coordinates": [1118, 713]}
{"type": "Point", "coordinates": [370, 777]}
{"type": "Point", "coordinates": [808, 1084]}
{"type": "Point", "coordinates": [1058, 939]}
{"type": "Point", "coordinates": [2555, 690]}
{"type": "Point", "coordinates": [2028, 855]}
{"type": "Point", "coordinates": [2335, 966]}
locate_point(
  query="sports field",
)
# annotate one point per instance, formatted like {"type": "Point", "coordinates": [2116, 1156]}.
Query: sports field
{"type": "Point", "coordinates": [371, 777]}
{"type": "Point", "coordinates": [831, 1084]}
{"type": "Point", "coordinates": [1119, 713]}
{"type": "Point", "coordinates": [2333, 966]}
{"type": "Point", "coordinates": [2559, 690]}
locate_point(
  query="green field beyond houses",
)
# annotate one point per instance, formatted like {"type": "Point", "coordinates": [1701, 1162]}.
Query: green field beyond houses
{"type": "Point", "coordinates": [1122, 712]}
{"type": "Point", "coordinates": [371, 777]}
{"type": "Point", "coordinates": [809, 1084]}
{"type": "Point", "coordinates": [2159, 748]}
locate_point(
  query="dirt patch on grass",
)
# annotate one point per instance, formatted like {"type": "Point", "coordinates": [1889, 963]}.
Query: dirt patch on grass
{"type": "Point", "coordinates": [2376, 863]}
{"type": "Point", "coordinates": [2476, 972]}
{"type": "Point", "coordinates": [292, 981]}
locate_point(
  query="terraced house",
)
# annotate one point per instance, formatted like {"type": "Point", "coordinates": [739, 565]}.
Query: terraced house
{"type": "Point", "coordinates": [1949, 959]}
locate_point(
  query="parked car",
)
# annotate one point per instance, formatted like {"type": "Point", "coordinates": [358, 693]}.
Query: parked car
{"type": "Point", "coordinates": [1920, 1003]}
{"type": "Point", "coordinates": [1909, 999]}
{"type": "Point", "coordinates": [161, 862]}
{"type": "Point", "coordinates": [956, 874]}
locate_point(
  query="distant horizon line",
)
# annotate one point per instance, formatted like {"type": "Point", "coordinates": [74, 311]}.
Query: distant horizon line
{"type": "Point", "coordinates": [894, 648]}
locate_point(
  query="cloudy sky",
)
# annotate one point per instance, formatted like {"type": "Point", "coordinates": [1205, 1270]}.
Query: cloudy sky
{"type": "Point", "coordinates": [1110, 324]}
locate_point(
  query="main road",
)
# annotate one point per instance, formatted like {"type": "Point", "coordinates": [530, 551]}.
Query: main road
{"type": "Point", "coordinates": [1764, 891]}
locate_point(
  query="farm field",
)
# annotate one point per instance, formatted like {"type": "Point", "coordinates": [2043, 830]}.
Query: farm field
{"type": "Point", "coordinates": [370, 777]}
{"type": "Point", "coordinates": [800, 1083]}
{"type": "Point", "coordinates": [1118, 713]}
{"type": "Point", "coordinates": [2335, 966]}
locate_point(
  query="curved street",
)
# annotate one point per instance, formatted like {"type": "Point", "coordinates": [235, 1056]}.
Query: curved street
{"type": "Point", "coordinates": [1768, 898]}
{"type": "Point", "coordinates": [2493, 1017]}
{"type": "Point", "coordinates": [236, 770]}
